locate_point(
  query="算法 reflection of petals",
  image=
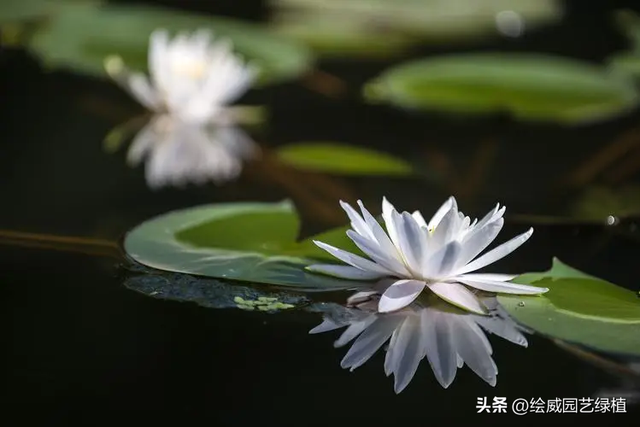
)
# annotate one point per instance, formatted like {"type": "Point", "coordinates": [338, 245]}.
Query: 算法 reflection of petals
{"type": "Point", "coordinates": [177, 153]}
{"type": "Point", "coordinates": [448, 337]}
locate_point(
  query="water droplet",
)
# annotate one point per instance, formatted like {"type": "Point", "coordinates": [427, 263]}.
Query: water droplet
{"type": "Point", "coordinates": [510, 23]}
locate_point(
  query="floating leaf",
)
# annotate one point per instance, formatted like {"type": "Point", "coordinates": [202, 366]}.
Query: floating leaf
{"type": "Point", "coordinates": [211, 293]}
{"type": "Point", "coordinates": [579, 308]}
{"type": "Point", "coordinates": [80, 37]}
{"type": "Point", "coordinates": [627, 62]}
{"type": "Point", "coordinates": [252, 242]}
{"type": "Point", "coordinates": [558, 270]}
{"type": "Point", "coordinates": [342, 159]}
{"type": "Point", "coordinates": [381, 27]}
{"type": "Point", "coordinates": [15, 11]}
{"type": "Point", "coordinates": [528, 86]}
{"type": "Point", "coordinates": [334, 36]}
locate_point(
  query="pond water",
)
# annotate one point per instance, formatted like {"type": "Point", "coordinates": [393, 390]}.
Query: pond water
{"type": "Point", "coordinates": [82, 345]}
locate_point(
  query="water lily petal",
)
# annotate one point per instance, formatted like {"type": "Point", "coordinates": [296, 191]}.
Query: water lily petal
{"type": "Point", "coordinates": [419, 219]}
{"type": "Point", "coordinates": [445, 232]}
{"type": "Point", "coordinates": [370, 341]}
{"type": "Point", "coordinates": [158, 69]}
{"type": "Point", "coordinates": [477, 240]}
{"type": "Point", "coordinates": [389, 214]}
{"type": "Point", "coordinates": [399, 295]}
{"type": "Point", "coordinates": [493, 215]}
{"type": "Point", "coordinates": [379, 235]}
{"type": "Point", "coordinates": [439, 347]}
{"type": "Point", "coordinates": [441, 263]}
{"type": "Point", "coordinates": [357, 222]}
{"type": "Point", "coordinates": [352, 259]}
{"type": "Point", "coordinates": [504, 328]}
{"type": "Point", "coordinates": [344, 272]}
{"type": "Point", "coordinates": [326, 326]}
{"type": "Point", "coordinates": [501, 287]}
{"type": "Point", "coordinates": [142, 90]}
{"type": "Point", "coordinates": [360, 297]}
{"type": "Point", "coordinates": [494, 277]}
{"type": "Point", "coordinates": [412, 240]}
{"type": "Point", "coordinates": [354, 329]}
{"type": "Point", "coordinates": [497, 253]}
{"type": "Point", "coordinates": [458, 295]}
{"type": "Point", "coordinates": [474, 348]}
{"type": "Point", "coordinates": [442, 210]}
{"type": "Point", "coordinates": [376, 253]}
{"type": "Point", "coordinates": [406, 350]}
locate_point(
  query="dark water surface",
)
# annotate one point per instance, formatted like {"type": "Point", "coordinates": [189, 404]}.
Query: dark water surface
{"type": "Point", "coordinates": [82, 348]}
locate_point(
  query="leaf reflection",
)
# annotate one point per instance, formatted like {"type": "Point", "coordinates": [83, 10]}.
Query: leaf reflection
{"type": "Point", "coordinates": [176, 153]}
{"type": "Point", "coordinates": [449, 338]}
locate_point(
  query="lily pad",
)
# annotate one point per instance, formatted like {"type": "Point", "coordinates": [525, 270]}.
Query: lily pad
{"type": "Point", "coordinates": [558, 270]}
{"type": "Point", "coordinates": [628, 62]}
{"type": "Point", "coordinates": [333, 37]}
{"type": "Point", "coordinates": [250, 242]}
{"type": "Point", "coordinates": [342, 159]}
{"type": "Point", "coordinates": [15, 11]}
{"type": "Point", "coordinates": [579, 308]}
{"type": "Point", "coordinates": [361, 26]}
{"type": "Point", "coordinates": [531, 87]}
{"type": "Point", "coordinates": [211, 293]}
{"type": "Point", "coordinates": [80, 37]}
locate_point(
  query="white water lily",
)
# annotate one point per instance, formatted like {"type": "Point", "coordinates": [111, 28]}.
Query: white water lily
{"type": "Point", "coordinates": [178, 153]}
{"type": "Point", "coordinates": [448, 339]}
{"type": "Point", "coordinates": [192, 77]}
{"type": "Point", "coordinates": [439, 255]}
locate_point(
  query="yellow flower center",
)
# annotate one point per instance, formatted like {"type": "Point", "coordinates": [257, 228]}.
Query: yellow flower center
{"type": "Point", "coordinates": [191, 69]}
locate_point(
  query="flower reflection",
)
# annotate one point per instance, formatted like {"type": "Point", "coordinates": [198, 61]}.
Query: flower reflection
{"type": "Point", "coordinates": [448, 337]}
{"type": "Point", "coordinates": [177, 153]}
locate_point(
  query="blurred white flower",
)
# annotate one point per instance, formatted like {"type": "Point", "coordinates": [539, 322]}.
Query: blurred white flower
{"type": "Point", "coordinates": [192, 77]}
{"type": "Point", "coordinates": [177, 153]}
{"type": "Point", "coordinates": [437, 255]}
{"type": "Point", "coordinates": [448, 337]}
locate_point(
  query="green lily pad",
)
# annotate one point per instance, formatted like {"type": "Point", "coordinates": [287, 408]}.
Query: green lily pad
{"type": "Point", "coordinates": [558, 270]}
{"type": "Point", "coordinates": [333, 37]}
{"type": "Point", "coordinates": [211, 293]}
{"type": "Point", "coordinates": [543, 317]}
{"type": "Point", "coordinates": [579, 308]}
{"type": "Point", "coordinates": [626, 62]}
{"type": "Point", "coordinates": [531, 87]}
{"type": "Point", "coordinates": [251, 242]}
{"type": "Point", "coordinates": [15, 11]}
{"type": "Point", "coordinates": [80, 37]}
{"type": "Point", "coordinates": [338, 24]}
{"type": "Point", "coordinates": [342, 159]}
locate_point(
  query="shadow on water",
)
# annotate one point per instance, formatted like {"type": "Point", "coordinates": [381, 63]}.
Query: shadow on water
{"type": "Point", "coordinates": [81, 344]}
